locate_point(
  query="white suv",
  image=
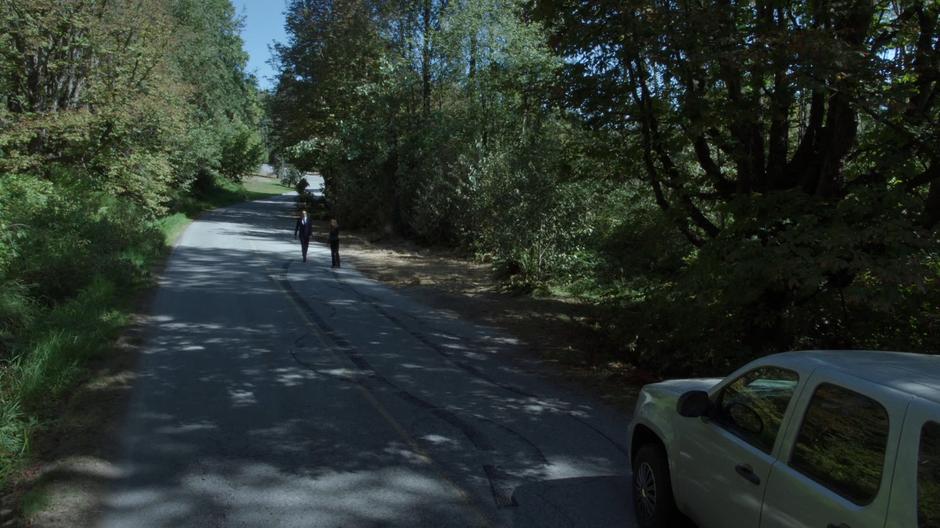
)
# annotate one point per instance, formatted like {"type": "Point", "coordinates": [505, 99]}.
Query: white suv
{"type": "Point", "coordinates": [847, 439]}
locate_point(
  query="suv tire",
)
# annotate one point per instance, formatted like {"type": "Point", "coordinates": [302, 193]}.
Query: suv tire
{"type": "Point", "coordinates": [652, 488]}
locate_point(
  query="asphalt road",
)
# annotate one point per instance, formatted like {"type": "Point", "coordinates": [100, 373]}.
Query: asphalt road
{"type": "Point", "coordinates": [277, 393]}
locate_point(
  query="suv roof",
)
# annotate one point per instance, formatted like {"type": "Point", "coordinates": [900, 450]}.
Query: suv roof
{"type": "Point", "coordinates": [916, 374]}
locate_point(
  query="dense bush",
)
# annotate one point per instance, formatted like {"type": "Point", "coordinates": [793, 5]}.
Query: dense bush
{"type": "Point", "coordinates": [70, 258]}
{"type": "Point", "coordinates": [847, 278]}
{"type": "Point", "coordinates": [67, 233]}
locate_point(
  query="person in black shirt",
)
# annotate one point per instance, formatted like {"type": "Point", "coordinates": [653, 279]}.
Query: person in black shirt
{"type": "Point", "coordinates": [304, 228]}
{"type": "Point", "coordinates": [334, 242]}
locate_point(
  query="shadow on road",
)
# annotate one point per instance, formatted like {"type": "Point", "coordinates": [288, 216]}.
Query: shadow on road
{"type": "Point", "coordinates": [369, 410]}
{"type": "Point", "coordinates": [585, 502]}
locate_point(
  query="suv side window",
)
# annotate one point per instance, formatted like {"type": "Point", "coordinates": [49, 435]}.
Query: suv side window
{"type": "Point", "coordinates": [752, 406]}
{"type": "Point", "coordinates": [928, 477]}
{"type": "Point", "coordinates": [842, 443]}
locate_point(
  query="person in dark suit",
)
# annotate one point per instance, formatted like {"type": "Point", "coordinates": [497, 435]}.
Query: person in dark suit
{"type": "Point", "coordinates": [304, 228]}
{"type": "Point", "coordinates": [334, 242]}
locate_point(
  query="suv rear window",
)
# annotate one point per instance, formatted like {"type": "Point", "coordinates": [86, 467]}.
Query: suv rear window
{"type": "Point", "coordinates": [842, 443]}
{"type": "Point", "coordinates": [928, 477]}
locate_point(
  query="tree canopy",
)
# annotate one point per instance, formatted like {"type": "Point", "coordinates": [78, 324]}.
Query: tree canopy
{"type": "Point", "coordinates": [136, 110]}
{"type": "Point", "coordinates": [730, 178]}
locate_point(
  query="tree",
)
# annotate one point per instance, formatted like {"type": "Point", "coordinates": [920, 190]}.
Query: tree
{"type": "Point", "coordinates": [728, 100]}
{"type": "Point", "coordinates": [89, 97]}
{"type": "Point", "coordinates": [391, 101]}
{"type": "Point", "coordinates": [791, 143]}
{"type": "Point", "coordinates": [225, 130]}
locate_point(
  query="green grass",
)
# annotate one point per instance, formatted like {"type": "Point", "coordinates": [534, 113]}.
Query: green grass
{"type": "Point", "coordinates": [222, 192]}
{"type": "Point", "coordinates": [47, 357]}
{"type": "Point", "coordinates": [50, 363]}
{"type": "Point", "coordinates": [34, 501]}
{"type": "Point", "coordinates": [15, 429]}
{"type": "Point", "coordinates": [264, 187]}
{"type": "Point", "coordinates": [172, 226]}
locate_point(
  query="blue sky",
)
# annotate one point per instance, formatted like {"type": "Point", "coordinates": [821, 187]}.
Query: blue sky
{"type": "Point", "coordinates": [264, 23]}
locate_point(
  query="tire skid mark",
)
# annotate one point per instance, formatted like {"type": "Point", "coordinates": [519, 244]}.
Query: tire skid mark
{"type": "Point", "coordinates": [502, 493]}
{"type": "Point", "coordinates": [473, 370]}
{"type": "Point", "coordinates": [539, 455]}
{"type": "Point", "coordinates": [617, 445]}
{"type": "Point", "coordinates": [298, 347]}
{"type": "Point", "coordinates": [431, 344]}
{"type": "Point", "coordinates": [472, 434]}
{"type": "Point", "coordinates": [501, 484]}
{"type": "Point", "coordinates": [319, 327]}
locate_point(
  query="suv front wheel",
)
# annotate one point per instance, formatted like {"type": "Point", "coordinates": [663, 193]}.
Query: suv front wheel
{"type": "Point", "coordinates": [652, 488]}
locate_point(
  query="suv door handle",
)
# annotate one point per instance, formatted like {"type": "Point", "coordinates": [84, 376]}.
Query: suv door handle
{"type": "Point", "coordinates": [840, 525]}
{"type": "Point", "coordinates": [747, 472]}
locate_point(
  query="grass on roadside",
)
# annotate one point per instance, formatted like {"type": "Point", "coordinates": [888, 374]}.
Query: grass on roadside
{"type": "Point", "coordinates": [34, 501]}
{"type": "Point", "coordinates": [50, 353]}
{"type": "Point", "coordinates": [172, 226]}
{"type": "Point", "coordinates": [56, 347]}
{"type": "Point", "coordinates": [260, 187]}
{"type": "Point", "coordinates": [223, 193]}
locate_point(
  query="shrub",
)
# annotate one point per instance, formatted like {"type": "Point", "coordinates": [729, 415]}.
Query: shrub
{"type": "Point", "coordinates": [70, 254]}
{"type": "Point", "coordinates": [852, 276]}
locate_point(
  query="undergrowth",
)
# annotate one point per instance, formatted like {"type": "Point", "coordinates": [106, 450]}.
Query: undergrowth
{"type": "Point", "coordinates": [67, 284]}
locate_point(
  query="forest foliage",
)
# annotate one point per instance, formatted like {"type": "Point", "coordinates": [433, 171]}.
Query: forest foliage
{"type": "Point", "coordinates": [113, 113]}
{"type": "Point", "coordinates": [729, 179]}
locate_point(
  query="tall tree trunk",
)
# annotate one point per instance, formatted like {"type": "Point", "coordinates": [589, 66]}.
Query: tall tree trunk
{"type": "Point", "coordinates": [473, 58]}
{"type": "Point", "coordinates": [426, 59]}
{"type": "Point", "coordinates": [932, 206]}
{"type": "Point", "coordinates": [931, 213]}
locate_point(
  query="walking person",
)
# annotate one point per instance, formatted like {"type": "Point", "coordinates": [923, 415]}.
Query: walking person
{"type": "Point", "coordinates": [334, 242]}
{"type": "Point", "coordinates": [304, 228]}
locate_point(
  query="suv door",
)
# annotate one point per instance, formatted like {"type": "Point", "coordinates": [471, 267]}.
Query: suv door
{"type": "Point", "coordinates": [723, 460]}
{"type": "Point", "coordinates": [928, 476]}
{"type": "Point", "coordinates": [915, 495]}
{"type": "Point", "coordinates": [837, 465]}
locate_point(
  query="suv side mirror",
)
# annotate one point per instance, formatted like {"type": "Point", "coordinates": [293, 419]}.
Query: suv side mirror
{"type": "Point", "coordinates": [693, 404]}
